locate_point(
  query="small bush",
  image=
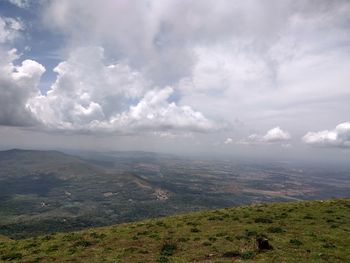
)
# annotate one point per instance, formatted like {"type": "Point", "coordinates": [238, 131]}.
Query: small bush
{"type": "Point", "coordinates": [228, 238]}
{"type": "Point", "coordinates": [250, 233]}
{"type": "Point", "coordinates": [239, 237]}
{"type": "Point", "coordinates": [82, 243]}
{"type": "Point", "coordinates": [275, 229]}
{"type": "Point", "coordinates": [328, 245]}
{"type": "Point", "coordinates": [213, 239]}
{"type": "Point", "coordinates": [247, 255]}
{"type": "Point", "coordinates": [195, 230]}
{"type": "Point", "coordinates": [215, 218]}
{"type": "Point", "coordinates": [263, 220]}
{"type": "Point", "coordinates": [160, 223]}
{"type": "Point", "coordinates": [308, 217]}
{"type": "Point", "coordinates": [12, 256]}
{"type": "Point", "coordinates": [97, 236]}
{"type": "Point", "coordinates": [183, 239]}
{"type": "Point", "coordinates": [295, 242]}
{"type": "Point", "coordinates": [47, 238]}
{"type": "Point", "coordinates": [168, 249]}
{"type": "Point", "coordinates": [31, 245]}
{"type": "Point", "coordinates": [231, 254]}
{"type": "Point", "coordinates": [283, 215]}
{"type": "Point", "coordinates": [163, 259]}
{"type": "Point", "coordinates": [206, 243]}
{"type": "Point", "coordinates": [52, 248]}
{"type": "Point", "coordinates": [154, 236]}
{"type": "Point", "coordinates": [221, 234]}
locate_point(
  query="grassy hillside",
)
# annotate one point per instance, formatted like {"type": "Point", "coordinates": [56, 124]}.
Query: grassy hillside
{"type": "Point", "coordinates": [312, 231]}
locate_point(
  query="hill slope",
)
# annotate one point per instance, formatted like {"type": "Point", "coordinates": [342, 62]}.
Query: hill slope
{"type": "Point", "coordinates": [312, 231]}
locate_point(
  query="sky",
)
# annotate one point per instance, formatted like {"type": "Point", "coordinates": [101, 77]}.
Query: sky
{"type": "Point", "coordinates": [241, 78]}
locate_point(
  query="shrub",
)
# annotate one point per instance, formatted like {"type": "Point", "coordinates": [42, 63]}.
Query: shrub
{"type": "Point", "coordinates": [82, 243]}
{"type": "Point", "coordinates": [12, 256]}
{"type": "Point", "coordinates": [221, 234]}
{"type": "Point", "coordinates": [228, 238]}
{"type": "Point", "coordinates": [97, 236]}
{"type": "Point", "coordinates": [231, 254]}
{"type": "Point", "coordinates": [250, 233]}
{"type": "Point", "coordinates": [168, 249]}
{"type": "Point", "coordinates": [212, 239]}
{"type": "Point", "coordinates": [247, 255]}
{"type": "Point", "coordinates": [215, 218]}
{"type": "Point", "coordinates": [183, 239]}
{"type": "Point", "coordinates": [263, 220]}
{"type": "Point", "coordinates": [296, 242]}
{"type": "Point", "coordinates": [195, 230]}
{"type": "Point", "coordinates": [163, 259]}
{"type": "Point", "coordinates": [154, 236]}
{"type": "Point", "coordinates": [328, 245]}
{"type": "Point", "coordinates": [52, 248]}
{"type": "Point", "coordinates": [206, 243]}
{"type": "Point", "coordinates": [275, 229]}
{"type": "Point", "coordinates": [160, 223]}
{"type": "Point", "coordinates": [308, 217]}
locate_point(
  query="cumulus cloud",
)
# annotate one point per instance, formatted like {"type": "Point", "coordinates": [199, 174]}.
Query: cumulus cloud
{"type": "Point", "coordinates": [228, 141]}
{"type": "Point", "coordinates": [275, 135]}
{"type": "Point", "coordinates": [89, 95]}
{"type": "Point", "coordinates": [18, 83]}
{"type": "Point", "coordinates": [339, 137]}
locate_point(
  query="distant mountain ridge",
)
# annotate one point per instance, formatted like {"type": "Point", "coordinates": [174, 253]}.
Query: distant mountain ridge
{"type": "Point", "coordinates": [49, 191]}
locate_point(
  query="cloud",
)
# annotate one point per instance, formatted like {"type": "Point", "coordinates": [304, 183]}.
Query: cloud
{"type": "Point", "coordinates": [275, 135]}
{"type": "Point", "coordinates": [20, 3]}
{"type": "Point", "coordinates": [18, 83]}
{"type": "Point", "coordinates": [177, 65]}
{"type": "Point", "coordinates": [228, 141]}
{"type": "Point", "coordinates": [10, 29]}
{"type": "Point", "coordinates": [89, 95]}
{"type": "Point", "coordinates": [339, 137]}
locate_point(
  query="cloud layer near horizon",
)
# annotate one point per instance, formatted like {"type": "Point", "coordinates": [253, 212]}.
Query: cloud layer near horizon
{"type": "Point", "coordinates": [274, 135]}
{"type": "Point", "coordinates": [339, 137]}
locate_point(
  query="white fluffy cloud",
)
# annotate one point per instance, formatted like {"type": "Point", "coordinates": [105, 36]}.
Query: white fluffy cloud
{"type": "Point", "coordinates": [18, 83]}
{"type": "Point", "coordinates": [228, 141]}
{"type": "Point", "coordinates": [91, 96]}
{"type": "Point", "coordinates": [275, 135]}
{"type": "Point", "coordinates": [339, 137]}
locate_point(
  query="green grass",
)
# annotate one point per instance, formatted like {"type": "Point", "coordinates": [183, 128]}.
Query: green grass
{"type": "Point", "coordinates": [311, 231]}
